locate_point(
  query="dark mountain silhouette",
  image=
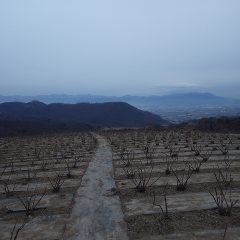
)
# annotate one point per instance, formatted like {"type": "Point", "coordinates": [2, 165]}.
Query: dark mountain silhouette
{"type": "Point", "coordinates": [117, 114]}
{"type": "Point", "coordinates": [144, 102]}
{"type": "Point", "coordinates": [219, 124]}
{"type": "Point", "coordinates": [30, 127]}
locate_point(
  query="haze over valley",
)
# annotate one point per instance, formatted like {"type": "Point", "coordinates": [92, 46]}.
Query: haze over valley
{"type": "Point", "coordinates": [120, 120]}
{"type": "Point", "coordinates": [173, 107]}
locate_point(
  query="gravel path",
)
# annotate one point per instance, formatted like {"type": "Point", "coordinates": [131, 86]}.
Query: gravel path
{"type": "Point", "coordinates": [97, 213]}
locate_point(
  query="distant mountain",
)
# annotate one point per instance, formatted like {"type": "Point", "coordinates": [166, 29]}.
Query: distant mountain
{"type": "Point", "coordinates": [143, 102]}
{"type": "Point", "coordinates": [116, 114]}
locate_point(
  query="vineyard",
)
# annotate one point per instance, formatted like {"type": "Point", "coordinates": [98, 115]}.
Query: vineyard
{"type": "Point", "coordinates": [178, 184]}
{"type": "Point", "coordinates": [160, 184]}
{"type": "Point", "coordinates": [39, 177]}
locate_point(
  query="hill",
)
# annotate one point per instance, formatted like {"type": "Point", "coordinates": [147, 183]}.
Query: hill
{"type": "Point", "coordinates": [143, 102]}
{"type": "Point", "coordinates": [68, 116]}
{"type": "Point", "coordinates": [213, 124]}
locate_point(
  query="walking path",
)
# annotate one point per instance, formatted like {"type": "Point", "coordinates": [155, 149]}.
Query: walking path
{"type": "Point", "coordinates": [97, 213]}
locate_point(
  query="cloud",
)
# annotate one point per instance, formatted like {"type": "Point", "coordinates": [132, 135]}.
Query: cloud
{"type": "Point", "coordinates": [119, 47]}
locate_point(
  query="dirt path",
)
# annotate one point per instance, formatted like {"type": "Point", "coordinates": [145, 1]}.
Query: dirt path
{"type": "Point", "coordinates": [97, 213]}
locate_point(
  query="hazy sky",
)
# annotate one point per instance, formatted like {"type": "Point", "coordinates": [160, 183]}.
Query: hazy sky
{"type": "Point", "coordinates": [119, 47]}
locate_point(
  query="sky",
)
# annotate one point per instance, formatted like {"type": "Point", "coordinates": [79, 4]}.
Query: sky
{"type": "Point", "coordinates": [118, 47]}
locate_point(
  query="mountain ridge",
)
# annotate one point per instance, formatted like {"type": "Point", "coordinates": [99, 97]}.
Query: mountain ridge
{"type": "Point", "coordinates": [143, 102]}
{"type": "Point", "coordinates": [112, 114]}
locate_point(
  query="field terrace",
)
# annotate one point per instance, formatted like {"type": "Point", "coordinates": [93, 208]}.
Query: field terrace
{"type": "Point", "coordinates": [38, 179]}
{"type": "Point", "coordinates": [183, 171]}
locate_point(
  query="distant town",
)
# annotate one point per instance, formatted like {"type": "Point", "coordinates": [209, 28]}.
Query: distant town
{"type": "Point", "coordinates": [184, 114]}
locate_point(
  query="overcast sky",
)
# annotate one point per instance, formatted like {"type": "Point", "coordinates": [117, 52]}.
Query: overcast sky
{"type": "Point", "coordinates": [119, 47]}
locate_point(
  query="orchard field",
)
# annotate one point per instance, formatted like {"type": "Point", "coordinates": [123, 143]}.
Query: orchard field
{"type": "Point", "coordinates": [178, 184]}
{"type": "Point", "coordinates": [121, 184]}
{"type": "Point", "coordinates": [38, 179]}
